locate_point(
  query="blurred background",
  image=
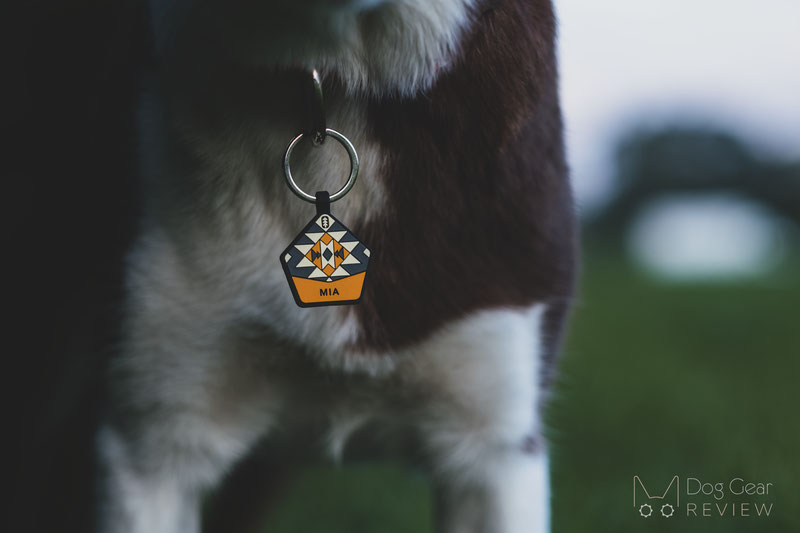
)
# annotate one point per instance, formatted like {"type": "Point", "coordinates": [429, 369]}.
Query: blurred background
{"type": "Point", "coordinates": [683, 131]}
{"type": "Point", "coordinates": [683, 125]}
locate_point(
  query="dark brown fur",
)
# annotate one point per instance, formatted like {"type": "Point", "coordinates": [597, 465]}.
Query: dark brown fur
{"type": "Point", "coordinates": [480, 211]}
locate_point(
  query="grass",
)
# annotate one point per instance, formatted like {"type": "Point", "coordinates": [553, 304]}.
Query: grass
{"type": "Point", "coordinates": [656, 380]}
{"type": "Point", "coordinates": [661, 380]}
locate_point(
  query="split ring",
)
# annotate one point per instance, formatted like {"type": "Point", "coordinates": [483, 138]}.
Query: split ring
{"type": "Point", "coordinates": [351, 151]}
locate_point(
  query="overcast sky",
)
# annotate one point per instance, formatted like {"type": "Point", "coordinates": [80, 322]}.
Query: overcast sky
{"type": "Point", "coordinates": [730, 62]}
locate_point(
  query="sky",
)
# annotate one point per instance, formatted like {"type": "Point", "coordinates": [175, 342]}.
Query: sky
{"type": "Point", "coordinates": [732, 63]}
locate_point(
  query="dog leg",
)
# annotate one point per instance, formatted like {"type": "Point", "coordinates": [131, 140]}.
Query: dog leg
{"type": "Point", "coordinates": [156, 469]}
{"type": "Point", "coordinates": [187, 400]}
{"type": "Point", "coordinates": [514, 498]}
{"type": "Point", "coordinates": [480, 423]}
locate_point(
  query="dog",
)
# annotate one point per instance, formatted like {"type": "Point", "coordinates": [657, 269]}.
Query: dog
{"type": "Point", "coordinates": [463, 198]}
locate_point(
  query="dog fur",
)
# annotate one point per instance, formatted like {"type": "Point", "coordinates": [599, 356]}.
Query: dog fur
{"type": "Point", "coordinates": [462, 196]}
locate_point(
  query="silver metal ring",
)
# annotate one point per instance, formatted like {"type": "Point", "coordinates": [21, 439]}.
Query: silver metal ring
{"type": "Point", "coordinates": [351, 151]}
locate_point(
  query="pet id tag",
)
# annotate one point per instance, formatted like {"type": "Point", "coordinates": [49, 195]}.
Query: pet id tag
{"type": "Point", "coordinates": [325, 264]}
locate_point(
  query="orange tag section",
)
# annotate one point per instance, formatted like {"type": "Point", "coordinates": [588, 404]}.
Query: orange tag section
{"type": "Point", "coordinates": [325, 264]}
{"type": "Point", "coordinates": [312, 291]}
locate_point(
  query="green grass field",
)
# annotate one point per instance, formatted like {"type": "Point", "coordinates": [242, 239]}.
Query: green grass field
{"type": "Point", "coordinates": [656, 380]}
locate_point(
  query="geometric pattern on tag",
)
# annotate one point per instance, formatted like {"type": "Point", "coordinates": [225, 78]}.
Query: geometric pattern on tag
{"type": "Point", "coordinates": [326, 251]}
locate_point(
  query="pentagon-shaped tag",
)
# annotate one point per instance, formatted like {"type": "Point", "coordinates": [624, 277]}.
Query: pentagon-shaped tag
{"type": "Point", "coordinates": [325, 264]}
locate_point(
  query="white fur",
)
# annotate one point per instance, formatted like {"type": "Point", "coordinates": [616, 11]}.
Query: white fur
{"type": "Point", "coordinates": [485, 371]}
{"type": "Point", "coordinates": [342, 425]}
{"type": "Point", "coordinates": [522, 494]}
{"type": "Point", "coordinates": [227, 265]}
{"type": "Point", "coordinates": [474, 393]}
{"type": "Point", "coordinates": [515, 499]}
{"type": "Point", "coordinates": [136, 502]}
{"type": "Point", "coordinates": [379, 47]}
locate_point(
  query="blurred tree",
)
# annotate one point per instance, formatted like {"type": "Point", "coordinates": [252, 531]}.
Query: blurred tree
{"type": "Point", "coordinates": [692, 161]}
